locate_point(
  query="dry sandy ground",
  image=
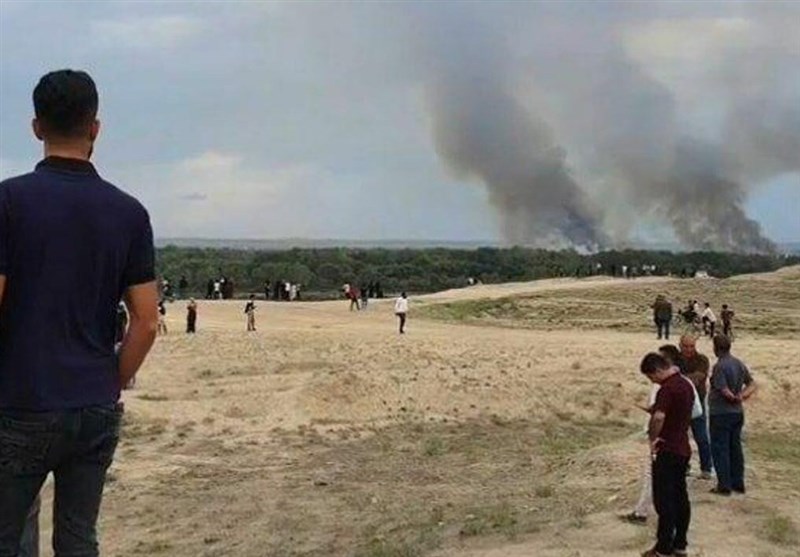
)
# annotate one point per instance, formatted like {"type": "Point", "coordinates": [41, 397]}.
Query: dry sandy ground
{"type": "Point", "coordinates": [326, 433]}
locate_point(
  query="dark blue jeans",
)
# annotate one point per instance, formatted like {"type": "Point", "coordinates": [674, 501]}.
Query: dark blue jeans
{"type": "Point", "coordinates": [726, 446]}
{"type": "Point", "coordinates": [77, 447]}
{"type": "Point", "coordinates": [700, 434]}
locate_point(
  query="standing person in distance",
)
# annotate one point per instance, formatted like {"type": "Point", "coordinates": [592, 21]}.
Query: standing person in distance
{"type": "Point", "coordinates": [71, 246]}
{"type": "Point", "coordinates": [401, 311]}
{"type": "Point", "coordinates": [731, 385]}
{"type": "Point", "coordinates": [250, 312]}
{"type": "Point", "coordinates": [727, 315]}
{"type": "Point", "coordinates": [162, 318]}
{"type": "Point", "coordinates": [191, 317]}
{"type": "Point", "coordinates": [662, 316]}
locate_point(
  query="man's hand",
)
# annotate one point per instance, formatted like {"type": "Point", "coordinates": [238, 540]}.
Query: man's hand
{"type": "Point", "coordinates": [655, 446]}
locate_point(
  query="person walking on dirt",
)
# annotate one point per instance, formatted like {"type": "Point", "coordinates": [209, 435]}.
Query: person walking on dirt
{"type": "Point", "coordinates": [191, 317]}
{"type": "Point", "coordinates": [731, 385]}
{"type": "Point", "coordinates": [669, 444]}
{"type": "Point", "coordinates": [662, 316]}
{"type": "Point", "coordinates": [727, 315]}
{"type": "Point", "coordinates": [401, 311]}
{"type": "Point", "coordinates": [250, 311]}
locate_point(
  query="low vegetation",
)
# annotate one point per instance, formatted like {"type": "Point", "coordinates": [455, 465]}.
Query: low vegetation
{"type": "Point", "coordinates": [767, 306]}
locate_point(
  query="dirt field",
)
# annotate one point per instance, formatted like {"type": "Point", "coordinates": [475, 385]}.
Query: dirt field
{"type": "Point", "coordinates": [481, 435]}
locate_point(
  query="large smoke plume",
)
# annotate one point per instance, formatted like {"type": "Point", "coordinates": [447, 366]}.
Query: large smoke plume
{"type": "Point", "coordinates": [587, 92]}
{"type": "Point", "coordinates": [481, 130]}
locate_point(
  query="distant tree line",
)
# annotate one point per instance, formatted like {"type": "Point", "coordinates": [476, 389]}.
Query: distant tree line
{"type": "Point", "coordinates": [322, 272]}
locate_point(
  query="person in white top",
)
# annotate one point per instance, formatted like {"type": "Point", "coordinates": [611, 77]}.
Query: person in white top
{"type": "Point", "coordinates": [401, 311]}
{"type": "Point", "coordinates": [709, 320]}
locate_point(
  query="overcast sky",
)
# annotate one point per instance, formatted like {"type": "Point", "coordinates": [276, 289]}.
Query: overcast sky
{"type": "Point", "coordinates": [276, 120]}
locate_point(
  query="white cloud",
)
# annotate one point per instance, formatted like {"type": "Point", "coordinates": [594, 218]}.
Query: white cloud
{"type": "Point", "coordinates": [211, 161]}
{"type": "Point", "coordinates": [146, 32]}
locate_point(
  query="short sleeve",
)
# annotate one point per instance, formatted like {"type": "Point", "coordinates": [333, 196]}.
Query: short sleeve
{"type": "Point", "coordinates": [141, 264]}
{"type": "Point", "coordinates": [719, 379]}
{"type": "Point", "coordinates": [663, 400]}
{"type": "Point", "coordinates": [5, 231]}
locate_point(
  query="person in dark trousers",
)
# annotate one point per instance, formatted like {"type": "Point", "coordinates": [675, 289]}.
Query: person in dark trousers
{"type": "Point", "coordinates": [250, 312]}
{"type": "Point", "coordinates": [401, 311]}
{"type": "Point", "coordinates": [662, 316]}
{"type": "Point", "coordinates": [669, 445]}
{"type": "Point", "coordinates": [727, 315]}
{"type": "Point", "coordinates": [71, 246]}
{"type": "Point", "coordinates": [191, 317]}
{"type": "Point", "coordinates": [731, 385]}
{"type": "Point", "coordinates": [364, 297]}
{"type": "Point", "coordinates": [266, 289]}
{"type": "Point", "coordinates": [210, 289]}
{"type": "Point", "coordinates": [695, 366]}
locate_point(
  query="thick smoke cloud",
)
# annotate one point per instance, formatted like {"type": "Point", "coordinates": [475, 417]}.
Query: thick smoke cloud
{"type": "Point", "coordinates": [482, 131]}
{"type": "Point", "coordinates": [615, 118]}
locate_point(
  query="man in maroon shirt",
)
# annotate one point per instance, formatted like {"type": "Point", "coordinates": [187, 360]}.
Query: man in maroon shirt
{"type": "Point", "coordinates": [669, 441]}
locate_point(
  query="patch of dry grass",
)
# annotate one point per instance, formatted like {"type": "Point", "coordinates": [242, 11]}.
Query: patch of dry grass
{"type": "Point", "coordinates": [768, 305]}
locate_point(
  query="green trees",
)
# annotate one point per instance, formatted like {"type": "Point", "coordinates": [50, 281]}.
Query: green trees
{"type": "Point", "coordinates": [322, 272]}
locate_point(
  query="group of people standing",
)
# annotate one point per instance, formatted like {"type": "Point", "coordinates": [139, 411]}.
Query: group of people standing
{"type": "Point", "coordinates": [693, 315]}
{"type": "Point", "coordinates": [686, 397]}
{"type": "Point", "coordinates": [282, 290]}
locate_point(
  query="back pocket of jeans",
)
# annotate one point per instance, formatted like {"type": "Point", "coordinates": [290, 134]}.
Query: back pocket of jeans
{"type": "Point", "coordinates": [22, 450]}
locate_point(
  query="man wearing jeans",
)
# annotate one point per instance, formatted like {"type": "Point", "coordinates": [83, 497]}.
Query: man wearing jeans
{"type": "Point", "coordinates": [71, 246]}
{"type": "Point", "coordinates": [695, 366]}
{"type": "Point", "coordinates": [731, 384]}
{"type": "Point", "coordinates": [668, 431]}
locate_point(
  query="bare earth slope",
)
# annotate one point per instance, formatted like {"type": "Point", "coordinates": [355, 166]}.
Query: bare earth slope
{"type": "Point", "coordinates": [326, 433]}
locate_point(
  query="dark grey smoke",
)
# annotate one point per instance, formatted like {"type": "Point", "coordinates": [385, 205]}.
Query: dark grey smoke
{"type": "Point", "coordinates": [482, 131]}
{"type": "Point", "coordinates": [619, 122]}
{"type": "Point", "coordinates": [629, 128]}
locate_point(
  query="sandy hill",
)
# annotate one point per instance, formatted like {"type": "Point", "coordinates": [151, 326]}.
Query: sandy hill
{"type": "Point", "coordinates": [486, 431]}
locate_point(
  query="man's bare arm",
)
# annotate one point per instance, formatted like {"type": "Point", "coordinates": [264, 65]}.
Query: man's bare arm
{"type": "Point", "coordinates": [2, 287]}
{"type": "Point", "coordinates": [654, 429]}
{"type": "Point", "coordinates": [142, 303]}
{"type": "Point", "coordinates": [749, 390]}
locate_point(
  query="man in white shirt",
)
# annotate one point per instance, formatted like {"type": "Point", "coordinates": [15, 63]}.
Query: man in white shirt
{"type": "Point", "coordinates": [401, 311]}
{"type": "Point", "coordinates": [709, 320]}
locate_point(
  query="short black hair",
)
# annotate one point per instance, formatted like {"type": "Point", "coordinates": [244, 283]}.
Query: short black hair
{"type": "Point", "coordinates": [653, 363]}
{"type": "Point", "coordinates": [722, 344]}
{"type": "Point", "coordinates": [670, 352]}
{"type": "Point", "coordinates": [65, 102]}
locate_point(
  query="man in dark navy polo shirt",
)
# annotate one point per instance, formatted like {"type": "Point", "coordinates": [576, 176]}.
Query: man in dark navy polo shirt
{"type": "Point", "coordinates": [71, 246]}
{"type": "Point", "coordinates": [669, 440]}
